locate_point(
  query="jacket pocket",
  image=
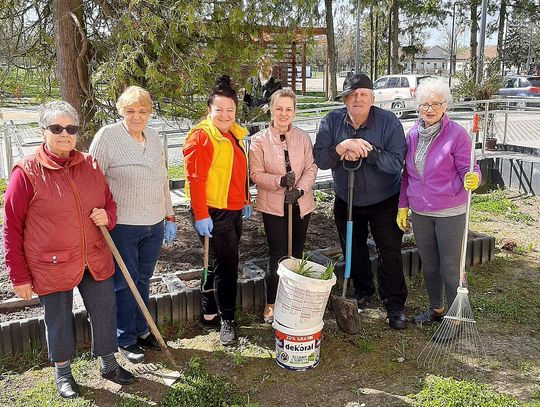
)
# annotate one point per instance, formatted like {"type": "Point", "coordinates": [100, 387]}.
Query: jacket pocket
{"type": "Point", "coordinates": [55, 257]}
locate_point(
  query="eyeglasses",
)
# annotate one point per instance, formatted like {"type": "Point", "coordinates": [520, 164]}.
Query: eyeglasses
{"type": "Point", "coordinates": [57, 129]}
{"type": "Point", "coordinates": [435, 106]}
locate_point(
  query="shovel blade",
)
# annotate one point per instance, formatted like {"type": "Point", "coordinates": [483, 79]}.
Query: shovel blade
{"type": "Point", "coordinates": [346, 312]}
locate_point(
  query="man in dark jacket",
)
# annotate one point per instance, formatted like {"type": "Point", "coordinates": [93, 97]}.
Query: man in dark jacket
{"type": "Point", "coordinates": [363, 131]}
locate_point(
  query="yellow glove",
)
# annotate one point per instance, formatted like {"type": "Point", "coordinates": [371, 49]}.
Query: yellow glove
{"type": "Point", "coordinates": [470, 183]}
{"type": "Point", "coordinates": [401, 219]}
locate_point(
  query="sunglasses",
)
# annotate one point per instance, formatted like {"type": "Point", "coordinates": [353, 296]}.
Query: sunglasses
{"type": "Point", "coordinates": [57, 129]}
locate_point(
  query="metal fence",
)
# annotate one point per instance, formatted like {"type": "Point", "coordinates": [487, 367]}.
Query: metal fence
{"type": "Point", "coordinates": [498, 117]}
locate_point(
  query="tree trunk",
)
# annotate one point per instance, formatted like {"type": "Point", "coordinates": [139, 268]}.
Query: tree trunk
{"type": "Point", "coordinates": [389, 43]}
{"type": "Point", "coordinates": [73, 75]}
{"type": "Point", "coordinates": [474, 38]}
{"type": "Point", "coordinates": [332, 89]}
{"type": "Point", "coordinates": [371, 49]}
{"type": "Point", "coordinates": [500, 35]}
{"type": "Point", "coordinates": [394, 18]}
{"type": "Point", "coordinates": [376, 47]}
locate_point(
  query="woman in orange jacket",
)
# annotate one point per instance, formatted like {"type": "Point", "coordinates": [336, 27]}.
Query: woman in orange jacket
{"type": "Point", "coordinates": [217, 183]}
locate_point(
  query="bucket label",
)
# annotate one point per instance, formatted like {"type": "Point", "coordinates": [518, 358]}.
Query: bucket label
{"type": "Point", "coordinates": [297, 352]}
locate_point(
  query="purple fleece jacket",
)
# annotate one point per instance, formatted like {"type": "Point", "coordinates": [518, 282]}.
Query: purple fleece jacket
{"type": "Point", "coordinates": [447, 162]}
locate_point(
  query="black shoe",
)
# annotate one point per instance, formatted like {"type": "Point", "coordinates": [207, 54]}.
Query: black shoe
{"type": "Point", "coordinates": [362, 301]}
{"type": "Point", "coordinates": [214, 323]}
{"type": "Point", "coordinates": [227, 335]}
{"type": "Point", "coordinates": [133, 353]}
{"type": "Point", "coordinates": [397, 320]}
{"type": "Point", "coordinates": [429, 316]}
{"type": "Point", "coordinates": [67, 387]}
{"type": "Point", "coordinates": [119, 375]}
{"type": "Point", "coordinates": [149, 342]}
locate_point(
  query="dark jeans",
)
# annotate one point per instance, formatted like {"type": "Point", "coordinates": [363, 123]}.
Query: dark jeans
{"type": "Point", "coordinates": [98, 298]}
{"type": "Point", "coordinates": [223, 264]}
{"type": "Point", "coordinates": [276, 229]}
{"type": "Point", "coordinates": [381, 218]}
{"type": "Point", "coordinates": [139, 247]}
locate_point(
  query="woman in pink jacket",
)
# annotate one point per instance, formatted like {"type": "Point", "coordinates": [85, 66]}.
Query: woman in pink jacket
{"type": "Point", "coordinates": [282, 166]}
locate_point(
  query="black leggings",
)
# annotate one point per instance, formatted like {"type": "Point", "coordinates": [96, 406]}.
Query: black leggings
{"type": "Point", "coordinates": [223, 264]}
{"type": "Point", "coordinates": [275, 228]}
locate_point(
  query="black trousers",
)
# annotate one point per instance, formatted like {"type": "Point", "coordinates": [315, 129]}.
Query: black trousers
{"type": "Point", "coordinates": [276, 229]}
{"type": "Point", "coordinates": [223, 264]}
{"type": "Point", "coordinates": [381, 219]}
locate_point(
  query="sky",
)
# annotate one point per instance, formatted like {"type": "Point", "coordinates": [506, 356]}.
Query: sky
{"type": "Point", "coordinates": [436, 36]}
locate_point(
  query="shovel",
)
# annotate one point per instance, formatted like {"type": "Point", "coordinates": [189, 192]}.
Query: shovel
{"type": "Point", "coordinates": [346, 310]}
{"type": "Point", "coordinates": [171, 376]}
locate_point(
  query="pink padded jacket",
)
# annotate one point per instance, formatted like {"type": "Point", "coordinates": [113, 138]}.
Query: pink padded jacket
{"type": "Point", "coordinates": [267, 166]}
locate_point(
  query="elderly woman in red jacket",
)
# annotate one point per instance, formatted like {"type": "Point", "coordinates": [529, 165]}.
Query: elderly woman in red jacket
{"type": "Point", "coordinates": [282, 166]}
{"type": "Point", "coordinates": [55, 202]}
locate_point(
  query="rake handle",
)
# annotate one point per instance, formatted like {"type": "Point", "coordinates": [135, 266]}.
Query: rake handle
{"type": "Point", "coordinates": [140, 302]}
{"type": "Point", "coordinates": [472, 131]}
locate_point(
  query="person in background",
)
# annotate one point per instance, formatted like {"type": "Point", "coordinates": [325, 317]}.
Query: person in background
{"type": "Point", "coordinates": [217, 184]}
{"type": "Point", "coordinates": [282, 166]}
{"type": "Point", "coordinates": [434, 186]}
{"type": "Point", "coordinates": [131, 156]}
{"type": "Point", "coordinates": [361, 130]}
{"type": "Point", "coordinates": [59, 191]}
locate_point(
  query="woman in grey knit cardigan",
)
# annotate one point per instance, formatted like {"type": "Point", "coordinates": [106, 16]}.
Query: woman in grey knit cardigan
{"type": "Point", "coordinates": [130, 155]}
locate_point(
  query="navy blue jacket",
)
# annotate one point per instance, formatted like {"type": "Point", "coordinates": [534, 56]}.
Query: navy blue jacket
{"type": "Point", "coordinates": [380, 174]}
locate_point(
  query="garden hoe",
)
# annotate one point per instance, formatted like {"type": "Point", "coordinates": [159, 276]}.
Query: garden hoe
{"type": "Point", "coordinates": [170, 376]}
{"type": "Point", "coordinates": [346, 310]}
{"type": "Point", "coordinates": [456, 339]}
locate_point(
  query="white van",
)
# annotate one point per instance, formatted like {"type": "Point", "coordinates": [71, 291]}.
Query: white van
{"type": "Point", "coordinates": [397, 92]}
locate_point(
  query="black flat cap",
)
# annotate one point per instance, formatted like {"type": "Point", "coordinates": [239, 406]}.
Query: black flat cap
{"type": "Point", "coordinates": [356, 81]}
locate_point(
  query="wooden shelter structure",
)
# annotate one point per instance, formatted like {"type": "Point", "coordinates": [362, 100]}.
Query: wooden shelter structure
{"type": "Point", "coordinates": [284, 67]}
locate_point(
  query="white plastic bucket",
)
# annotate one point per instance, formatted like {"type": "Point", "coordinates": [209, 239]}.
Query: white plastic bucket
{"type": "Point", "coordinates": [297, 349]}
{"type": "Point", "coordinates": [301, 301]}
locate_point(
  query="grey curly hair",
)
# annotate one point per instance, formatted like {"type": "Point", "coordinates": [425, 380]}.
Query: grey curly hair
{"type": "Point", "coordinates": [51, 110]}
{"type": "Point", "coordinates": [433, 86]}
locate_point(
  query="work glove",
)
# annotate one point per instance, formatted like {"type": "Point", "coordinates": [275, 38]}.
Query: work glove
{"type": "Point", "coordinates": [292, 196]}
{"type": "Point", "coordinates": [471, 180]}
{"type": "Point", "coordinates": [170, 232]}
{"type": "Point", "coordinates": [287, 180]}
{"type": "Point", "coordinates": [246, 211]}
{"type": "Point", "coordinates": [401, 219]}
{"type": "Point", "coordinates": [204, 227]}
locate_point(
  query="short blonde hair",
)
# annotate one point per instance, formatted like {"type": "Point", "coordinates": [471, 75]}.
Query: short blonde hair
{"type": "Point", "coordinates": [282, 93]}
{"type": "Point", "coordinates": [133, 95]}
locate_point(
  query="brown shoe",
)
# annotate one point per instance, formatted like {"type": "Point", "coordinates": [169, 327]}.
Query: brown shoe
{"type": "Point", "coordinates": [268, 313]}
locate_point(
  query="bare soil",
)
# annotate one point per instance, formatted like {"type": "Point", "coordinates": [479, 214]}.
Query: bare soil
{"type": "Point", "coordinates": [186, 252]}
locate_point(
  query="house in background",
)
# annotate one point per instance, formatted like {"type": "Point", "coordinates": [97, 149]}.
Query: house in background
{"type": "Point", "coordinates": [433, 61]}
{"type": "Point", "coordinates": [463, 58]}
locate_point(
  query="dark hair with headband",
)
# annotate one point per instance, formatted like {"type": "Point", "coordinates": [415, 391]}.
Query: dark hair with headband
{"type": "Point", "coordinates": [224, 88]}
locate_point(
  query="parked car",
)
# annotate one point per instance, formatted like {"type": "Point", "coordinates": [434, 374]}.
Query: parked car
{"type": "Point", "coordinates": [521, 86]}
{"type": "Point", "coordinates": [397, 92]}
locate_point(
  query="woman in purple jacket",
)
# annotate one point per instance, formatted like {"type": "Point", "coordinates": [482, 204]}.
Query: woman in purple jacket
{"type": "Point", "coordinates": [434, 186]}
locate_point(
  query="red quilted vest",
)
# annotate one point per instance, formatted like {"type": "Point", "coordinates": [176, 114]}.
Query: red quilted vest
{"type": "Point", "coordinates": [60, 239]}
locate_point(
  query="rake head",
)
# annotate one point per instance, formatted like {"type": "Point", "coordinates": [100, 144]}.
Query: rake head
{"type": "Point", "coordinates": [168, 377]}
{"type": "Point", "coordinates": [456, 340]}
